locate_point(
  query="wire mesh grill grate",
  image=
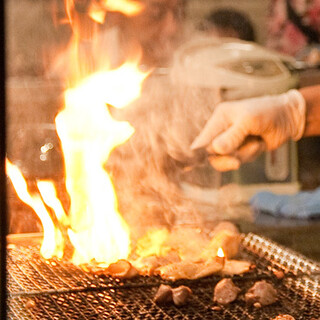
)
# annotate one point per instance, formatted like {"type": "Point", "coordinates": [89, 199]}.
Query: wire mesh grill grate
{"type": "Point", "coordinates": [41, 289]}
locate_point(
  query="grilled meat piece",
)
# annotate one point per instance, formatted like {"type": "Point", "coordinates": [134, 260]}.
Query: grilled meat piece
{"type": "Point", "coordinates": [181, 295]}
{"type": "Point", "coordinates": [163, 295]}
{"type": "Point", "coordinates": [261, 292]}
{"type": "Point", "coordinates": [122, 269]}
{"type": "Point", "coordinates": [225, 292]}
{"type": "Point", "coordinates": [189, 269]}
{"type": "Point", "coordinates": [232, 267]}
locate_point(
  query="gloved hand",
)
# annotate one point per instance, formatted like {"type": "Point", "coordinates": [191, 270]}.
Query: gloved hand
{"type": "Point", "coordinates": [275, 119]}
{"type": "Point", "coordinates": [302, 205]}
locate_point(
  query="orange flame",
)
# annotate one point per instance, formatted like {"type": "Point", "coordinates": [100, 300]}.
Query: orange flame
{"type": "Point", "coordinates": [53, 242]}
{"type": "Point", "coordinates": [153, 243]}
{"type": "Point", "coordinates": [49, 196]}
{"type": "Point", "coordinates": [88, 135]}
{"type": "Point", "coordinates": [97, 10]}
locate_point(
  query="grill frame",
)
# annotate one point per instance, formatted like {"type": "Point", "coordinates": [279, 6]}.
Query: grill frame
{"type": "Point", "coordinates": [64, 291]}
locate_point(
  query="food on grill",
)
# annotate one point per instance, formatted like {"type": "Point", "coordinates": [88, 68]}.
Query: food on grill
{"type": "Point", "coordinates": [227, 240]}
{"type": "Point", "coordinates": [216, 308]}
{"type": "Point", "coordinates": [261, 292]}
{"type": "Point", "coordinates": [284, 317]}
{"type": "Point", "coordinates": [30, 304]}
{"type": "Point", "coordinates": [148, 265]}
{"type": "Point", "coordinates": [163, 295]}
{"type": "Point", "coordinates": [225, 291]}
{"type": "Point", "coordinates": [173, 257]}
{"type": "Point", "coordinates": [190, 269]}
{"type": "Point", "coordinates": [227, 226]}
{"type": "Point", "coordinates": [232, 267]}
{"type": "Point", "coordinates": [181, 295]}
{"type": "Point", "coordinates": [122, 269]}
{"type": "Point", "coordinates": [279, 274]}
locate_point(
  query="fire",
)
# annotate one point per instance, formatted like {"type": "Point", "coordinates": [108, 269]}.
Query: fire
{"type": "Point", "coordinates": [88, 135]}
{"type": "Point", "coordinates": [153, 243]}
{"type": "Point", "coordinates": [220, 253]}
{"type": "Point", "coordinates": [129, 8]}
{"type": "Point", "coordinates": [97, 10]}
{"type": "Point", "coordinates": [49, 196]}
{"type": "Point", "coordinates": [53, 242]}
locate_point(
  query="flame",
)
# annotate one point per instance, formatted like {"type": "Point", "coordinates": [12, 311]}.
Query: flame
{"type": "Point", "coordinates": [220, 253]}
{"type": "Point", "coordinates": [153, 243]}
{"type": "Point", "coordinates": [97, 9]}
{"type": "Point", "coordinates": [128, 7]}
{"type": "Point", "coordinates": [88, 135]}
{"type": "Point", "coordinates": [53, 242]}
{"type": "Point", "coordinates": [49, 196]}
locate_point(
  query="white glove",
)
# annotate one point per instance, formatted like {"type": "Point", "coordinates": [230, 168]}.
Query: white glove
{"type": "Point", "coordinates": [275, 119]}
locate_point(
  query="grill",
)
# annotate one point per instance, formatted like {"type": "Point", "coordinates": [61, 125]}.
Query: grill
{"type": "Point", "coordinates": [52, 289]}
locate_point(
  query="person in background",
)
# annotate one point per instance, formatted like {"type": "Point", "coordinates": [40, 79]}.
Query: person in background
{"type": "Point", "coordinates": [294, 29]}
{"type": "Point", "coordinates": [228, 22]}
{"type": "Point", "coordinates": [293, 25]}
{"type": "Point", "coordinates": [157, 29]}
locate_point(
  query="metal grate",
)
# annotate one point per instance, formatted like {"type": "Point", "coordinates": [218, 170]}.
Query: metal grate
{"type": "Point", "coordinates": [40, 289]}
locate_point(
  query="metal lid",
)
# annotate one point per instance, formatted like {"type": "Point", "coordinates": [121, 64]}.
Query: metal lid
{"type": "Point", "coordinates": [231, 64]}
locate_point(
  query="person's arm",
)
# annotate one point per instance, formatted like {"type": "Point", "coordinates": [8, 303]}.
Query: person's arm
{"type": "Point", "coordinates": [239, 130]}
{"type": "Point", "coordinates": [312, 98]}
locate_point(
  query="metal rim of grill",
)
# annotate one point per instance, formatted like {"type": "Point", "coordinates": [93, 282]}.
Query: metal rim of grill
{"type": "Point", "coordinates": [52, 289]}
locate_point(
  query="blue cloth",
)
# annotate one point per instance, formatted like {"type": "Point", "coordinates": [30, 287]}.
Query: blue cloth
{"type": "Point", "coordinates": [302, 205]}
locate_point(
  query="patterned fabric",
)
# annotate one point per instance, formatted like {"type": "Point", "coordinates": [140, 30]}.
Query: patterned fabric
{"type": "Point", "coordinates": [283, 35]}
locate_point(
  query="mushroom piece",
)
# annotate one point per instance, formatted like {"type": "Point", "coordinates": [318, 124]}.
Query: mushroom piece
{"type": "Point", "coordinates": [181, 295]}
{"type": "Point", "coordinates": [163, 295]}
{"type": "Point", "coordinates": [225, 291]}
{"type": "Point", "coordinates": [261, 292]}
{"type": "Point", "coordinates": [284, 317]}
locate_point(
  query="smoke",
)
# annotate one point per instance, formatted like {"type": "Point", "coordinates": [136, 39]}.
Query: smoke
{"type": "Point", "coordinates": [148, 169]}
